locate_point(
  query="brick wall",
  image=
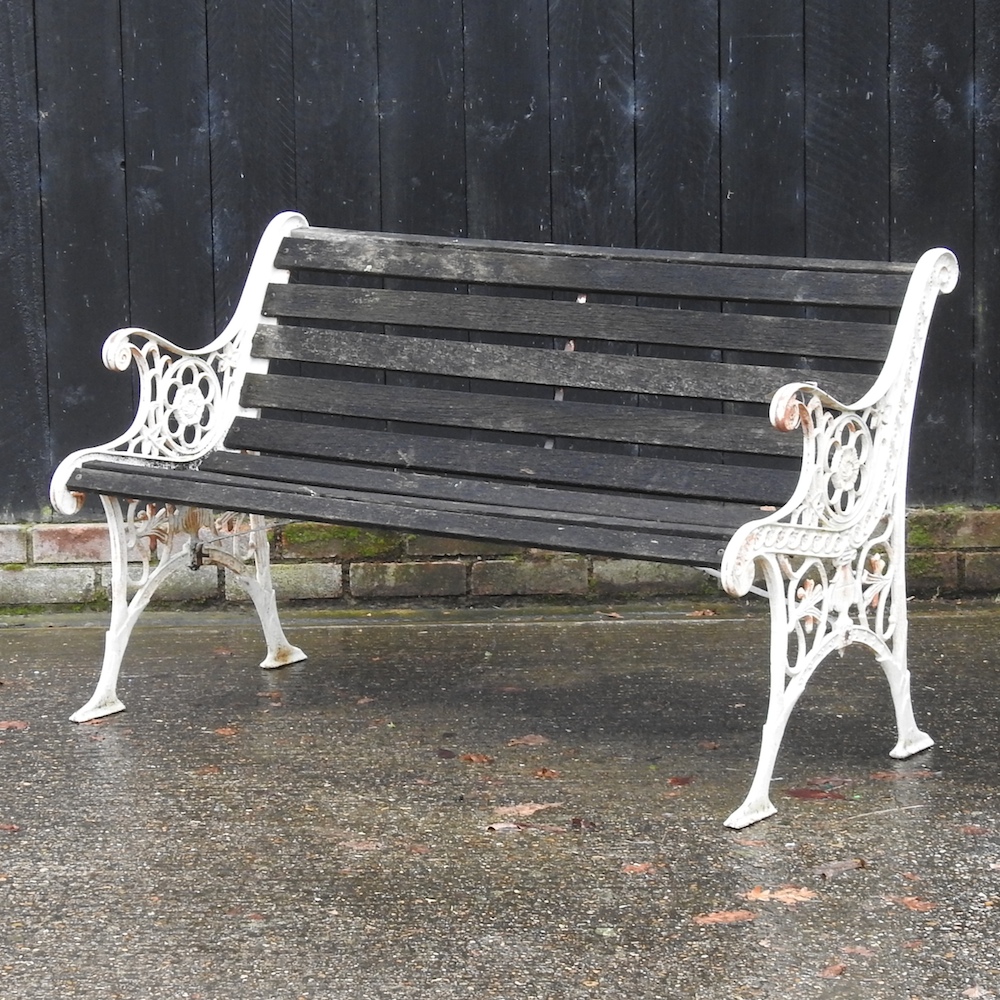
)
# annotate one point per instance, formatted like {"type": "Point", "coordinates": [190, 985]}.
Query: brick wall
{"type": "Point", "coordinates": [951, 552]}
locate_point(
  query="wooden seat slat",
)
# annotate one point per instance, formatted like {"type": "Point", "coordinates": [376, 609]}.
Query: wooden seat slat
{"type": "Point", "coordinates": [518, 463]}
{"type": "Point", "coordinates": [672, 543]}
{"type": "Point", "coordinates": [651, 425]}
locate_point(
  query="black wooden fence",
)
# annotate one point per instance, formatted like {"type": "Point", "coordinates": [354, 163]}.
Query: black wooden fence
{"type": "Point", "coordinates": [143, 146]}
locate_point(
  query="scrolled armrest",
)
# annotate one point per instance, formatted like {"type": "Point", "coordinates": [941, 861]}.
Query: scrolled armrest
{"type": "Point", "coordinates": [187, 398]}
{"type": "Point", "coordinates": [187, 401]}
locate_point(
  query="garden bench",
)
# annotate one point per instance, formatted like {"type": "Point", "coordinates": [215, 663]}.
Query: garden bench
{"type": "Point", "coordinates": [595, 400]}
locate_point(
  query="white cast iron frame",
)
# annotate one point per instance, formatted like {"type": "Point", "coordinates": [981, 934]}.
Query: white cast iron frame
{"type": "Point", "coordinates": [833, 557]}
{"type": "Point", "coordinates": [188, 400]}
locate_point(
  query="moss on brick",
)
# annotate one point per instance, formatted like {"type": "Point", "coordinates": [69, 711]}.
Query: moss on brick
{"type": "Point", "coordinates": [309, 539]}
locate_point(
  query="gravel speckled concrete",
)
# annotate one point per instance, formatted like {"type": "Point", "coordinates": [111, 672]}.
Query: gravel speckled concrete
{"type": "Point", "coordinates": [364, 824]}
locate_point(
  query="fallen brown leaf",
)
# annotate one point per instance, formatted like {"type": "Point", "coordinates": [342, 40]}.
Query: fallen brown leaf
{"type": "Point", "coordinates": [708, 745]}
{"type": "Point", "coordinates": [476, 758]}
{"type": "Point", "coordinates": [913, 903]}
{"type": "Point", "coordinates": [725, 917]}
{"type": "Point", "coordinates": [225, 731]}
{"type": "Point", "coordinates": [14, 724]}
{"type": "Point", "coordinates": [209, 769]}
{"type": "Point", "coordinates": [834, 970]}
{"type": "Point", "coordinates": [702, 613]}
{"type": "Point", "coordinates": [525, 808]}
{"type": "Point", "coordinates": [531, 740]}
{"type": "Point", "coordinates": [362, 845]}
{"type": "Point", "coordinates": [9, 827]}
{"type": "Point", "coordinates": [679, 781]}
{"type": "Point", "coordinates": [787, 894]}
{"type": "Point", "coordinates": [580, 823]}
{"type": "Point", "coordinates": [547, 773]}
{"type": "Point", "coordinates": [974, 831]}
{"type": "Point", "coordinates": [642, 868]}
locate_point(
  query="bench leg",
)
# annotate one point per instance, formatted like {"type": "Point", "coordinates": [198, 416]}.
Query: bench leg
{"type": "Point", "coordinates": [256, 578]}
{"type": "Point", "coordinates": [910, 738]}
{"type": "Point", "coordinates": [783, 696]}
{"type": "Point", "coordinates": [125, 535]}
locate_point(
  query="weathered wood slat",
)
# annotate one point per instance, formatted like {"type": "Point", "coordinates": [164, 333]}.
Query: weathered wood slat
{"type": "Point", "coordinates": [707, 517]}
{"type": "Point", "coordinates": [588, 470]}
{"type": "Point", "coordinates": [660, 376]}
{"type": "Point", "coordinates": [381, 511]}
{"type": "Point", "coordinates": [680, 327]}
{"type": "Point", "coordinates": [636, 272]}
{"type": "Point", "coordinates": [547, 417]}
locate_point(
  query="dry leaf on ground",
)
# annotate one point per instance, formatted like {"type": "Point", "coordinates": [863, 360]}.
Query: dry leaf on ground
{"type": "Point", "coordinates": [531, 740]}
{"type": "Point", "coordinates": [724, 917]}
{"type": "Point", "coordinates": [787, 894]}
{"type": "Point", "coordinates": [913, 903]}
{"type": "Point", "coordinates": [476, 758]}
{"type": "Point", "coordinates": [642, 868]}
{"type": "Point", "coordinates": [833, 971]}
{"type": "Point", "coordinates": [225, 731]}
{"type": "Point", "coordinates": [525, 808]}
{"type": "Point", "coordinates": [14, 724]}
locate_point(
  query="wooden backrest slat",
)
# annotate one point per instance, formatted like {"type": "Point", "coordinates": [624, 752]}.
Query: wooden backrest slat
{"type": "Point", "coordinates": [520, 415]}
{"type": "Point", "coordinates": [632, 272]}
{"type": "Point", "coordinates": [578, 369]}
{"type": "Point", "coordinates": [518, 315]}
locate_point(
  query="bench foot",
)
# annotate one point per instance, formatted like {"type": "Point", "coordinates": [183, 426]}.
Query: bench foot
{"type": "Point", "coordinates": [911, 739]}
{"type": "Point", "coordinates": [251, 562]}
{"type": "Point", "coordinates": [98, 707]}
{"type": "Point", "coordinates": [753, 810]}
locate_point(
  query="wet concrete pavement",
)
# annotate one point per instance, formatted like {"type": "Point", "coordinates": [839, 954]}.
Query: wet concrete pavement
{"type": "Point", "coordinates": [368, 823]}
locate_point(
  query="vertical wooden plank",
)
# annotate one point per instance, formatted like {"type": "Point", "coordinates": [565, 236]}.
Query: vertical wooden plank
{"type": "Point", "coordinates": [507, 131]}
{"type": "Point", "coordinates": [847, 129]}
{"type": "Point", "coordinates": [167, 179]}
{"type": "Point", "coordinates": [336, 113]}
{"type": "Point", "coordinates": [985, 269]}
{"type": "Point", "coordinates": [24, 444]}
{"type": "Point", "coordinates": [507, 143]}
{"type": "Point", "coordinates": [932, 205]}
{"type": "Point", "coordinates": [677, 148]}
{"type": "Point", "coordinates": [592, 75]}
{"type": "Point", "coordinates": [83, 216]}
{"type": "Point", "coordinates": [252, 123]}
{"type": "Point", "coordinates": [422, 136]}
{"type": "Point", "coordinates": [421, 97]}
{"type": "Point", "coordinates": [763, 163]}
{"type": "Point", "coordinates": [677, 125]}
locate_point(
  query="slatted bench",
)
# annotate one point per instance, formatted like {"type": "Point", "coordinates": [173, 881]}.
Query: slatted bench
{"type": "Point", "coordinates": [592, 400]}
